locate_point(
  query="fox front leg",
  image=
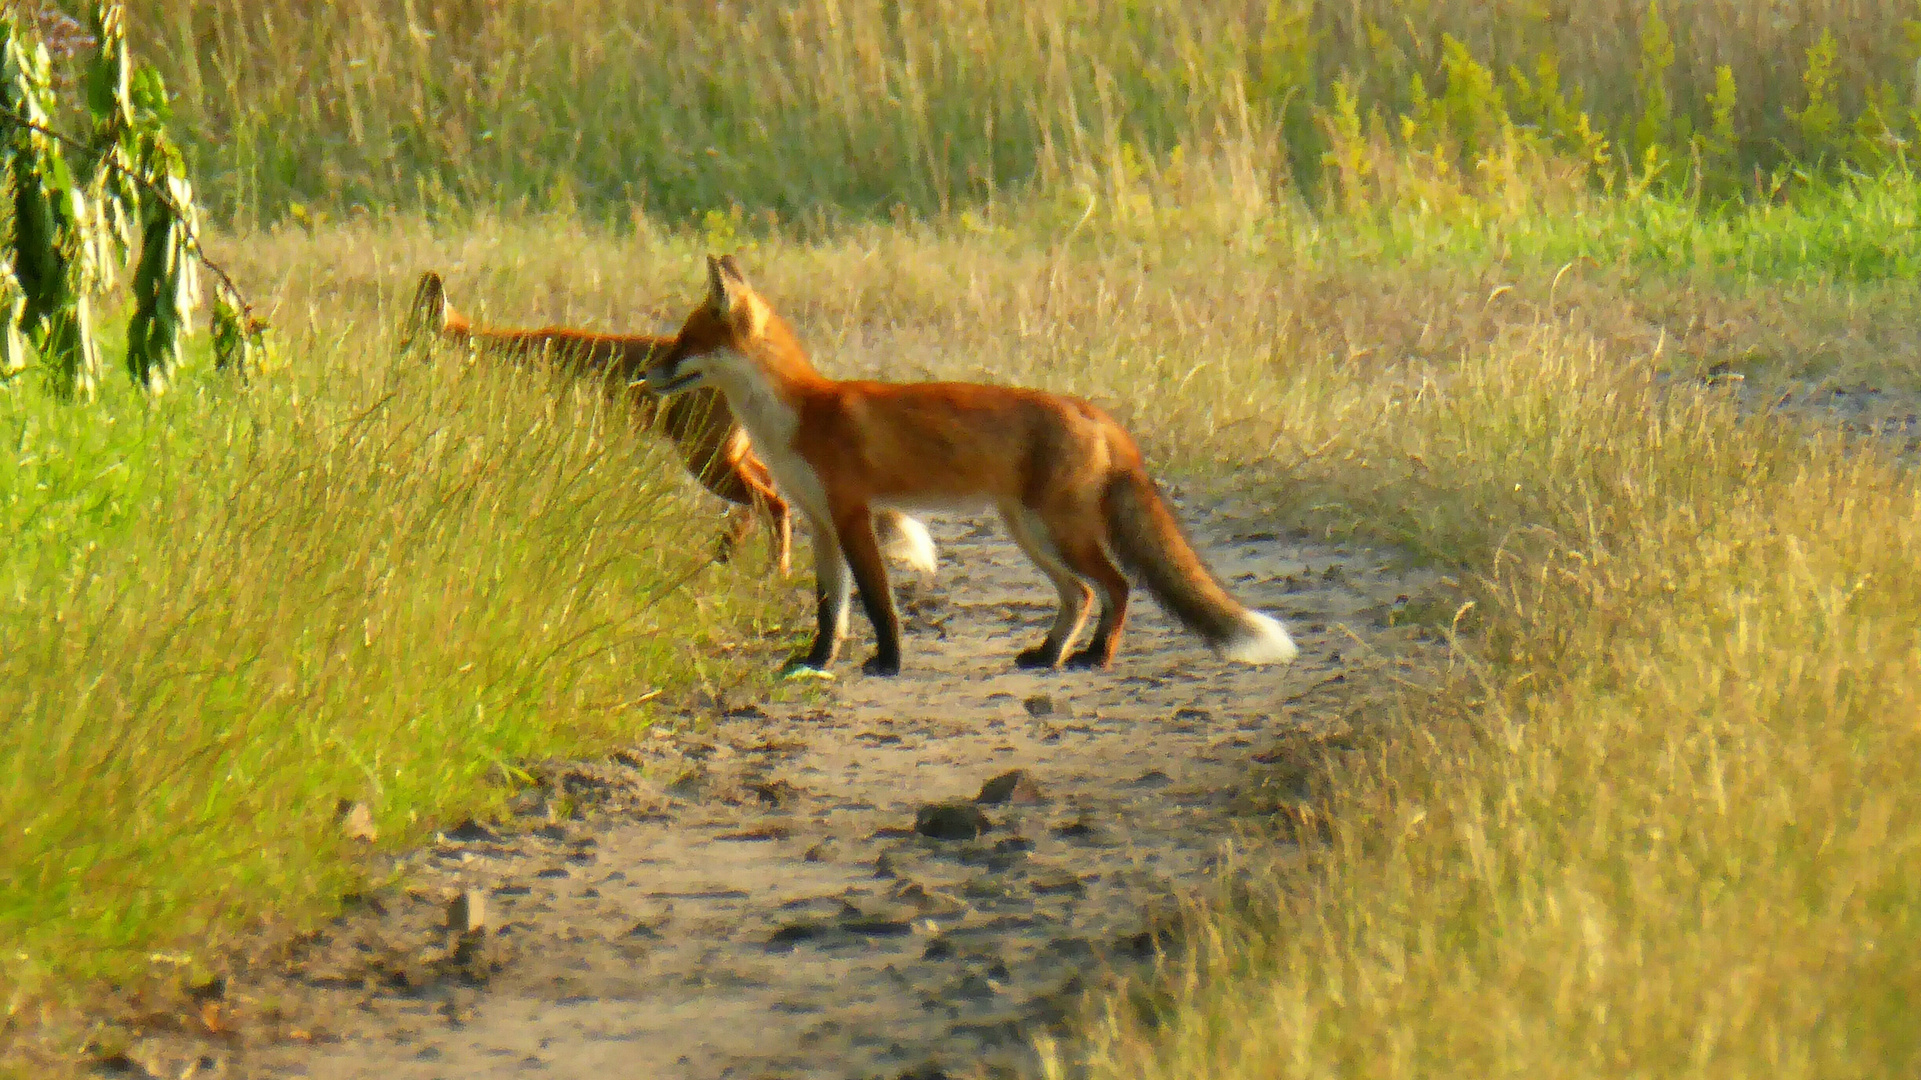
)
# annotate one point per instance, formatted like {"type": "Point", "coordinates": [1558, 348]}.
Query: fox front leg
{"type": "Point", "coordinates": [833, 590]}
{"type": "Point", "coordinates": [854, 527]}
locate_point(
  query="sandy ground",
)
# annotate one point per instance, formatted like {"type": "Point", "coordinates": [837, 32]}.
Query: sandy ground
{"type": "Point", "coordinates": [750, 897]}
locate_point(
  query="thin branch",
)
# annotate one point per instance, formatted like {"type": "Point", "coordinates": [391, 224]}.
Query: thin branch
{"type": "Point", "coordinates": [154, 189]}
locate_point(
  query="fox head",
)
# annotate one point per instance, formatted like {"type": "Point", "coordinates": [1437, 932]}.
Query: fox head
{"type": "Point", "coordinates": [732, 338]}
{"type": "Point", "coordinates": [428, 314]}
{"type": "Point", "coordinates": [431, 316]}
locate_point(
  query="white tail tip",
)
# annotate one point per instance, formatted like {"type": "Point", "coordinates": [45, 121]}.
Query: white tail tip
{"type": "Point", "coordinates": [908, 542]}
{"type": "Point", "coordinates": [1260, 640]}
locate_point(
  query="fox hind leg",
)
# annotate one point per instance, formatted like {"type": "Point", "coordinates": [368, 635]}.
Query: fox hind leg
{"type": "Point", "coordinates": [1088, 559]}
{"type": "Point", "coordinates": [1032, 535]}
{"type": "Point", "coordinates": [745, 482]}
{"type": "Point", "coordinates": [783, 534]}
{"type": "Point", "coordinates": [760, 484]}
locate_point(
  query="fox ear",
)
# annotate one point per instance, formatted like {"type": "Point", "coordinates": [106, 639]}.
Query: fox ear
{"type": "Point", "coordinates": [726, 285]}
{"type": "Point", "coordinates": [716, 285]}
{"type": "Point", "coordinates": [730, 295]}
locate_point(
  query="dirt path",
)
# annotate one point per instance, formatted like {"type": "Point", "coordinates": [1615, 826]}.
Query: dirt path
{"type": "Point", "coordinates": [1860, 409]}
{"type": "Point", "coordinates": [752, 900]}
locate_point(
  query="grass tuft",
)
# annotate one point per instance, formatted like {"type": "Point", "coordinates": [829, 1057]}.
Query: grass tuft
{"type": "Point", "coordinates": [1653, 821]}
{"type": "Point", "coordinates": [228, 610]}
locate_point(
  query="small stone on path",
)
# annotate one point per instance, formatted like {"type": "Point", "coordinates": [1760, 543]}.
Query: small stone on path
{"type": "Point", "coordinates": [1075, 829]}
{"type": "Point", "coordinates": [1013, 786]}
{"type": "Point", "coordinates": [468, 831]}
{"type": "Point", "coordinates": [951, 821]}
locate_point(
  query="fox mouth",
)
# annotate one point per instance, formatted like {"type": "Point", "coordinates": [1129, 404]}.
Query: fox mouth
{"type": "Point", "coordinates": [661, 384]}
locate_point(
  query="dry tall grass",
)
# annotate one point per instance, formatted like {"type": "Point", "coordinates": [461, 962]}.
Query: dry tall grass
{"type": "Point", "coordinates": [1657, 822]}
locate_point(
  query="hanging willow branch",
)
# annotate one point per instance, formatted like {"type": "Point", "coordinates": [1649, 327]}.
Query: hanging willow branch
{"type": "Point", "coordinates": [76, 220]}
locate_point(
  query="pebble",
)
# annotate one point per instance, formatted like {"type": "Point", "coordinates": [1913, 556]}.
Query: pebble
{"type": "Point", "coordinates": [1013, 786]}
{"type": "Point", "coordinates": [951, 821]}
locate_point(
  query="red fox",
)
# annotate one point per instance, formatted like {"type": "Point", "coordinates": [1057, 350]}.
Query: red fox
{"type": "Point", "coordinates": [1065, 477]}
{"type": "Point", "coordinates": [712, 446]}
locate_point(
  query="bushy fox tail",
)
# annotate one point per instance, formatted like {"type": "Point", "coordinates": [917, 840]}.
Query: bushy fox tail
{"type": "Point", "coordinates": [905, 539]}
{"type": "Point", "coordinates": [1149, 541]}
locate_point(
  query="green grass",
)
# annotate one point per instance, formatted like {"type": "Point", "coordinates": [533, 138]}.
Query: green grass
{"type": "Point", "coordinates": [1856, 232]}
{"type": "Point", "coordinates": [227, 609]}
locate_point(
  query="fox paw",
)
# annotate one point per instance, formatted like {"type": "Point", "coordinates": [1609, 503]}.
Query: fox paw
{"type": "Point", "coordinates": [1040, 656]}
{"type": "Point", "coordinates": [800, 669]}
{"type": "Point", "coordinates": [880, 665]}
{"type": "Point", "coordinates": [1089, 660]}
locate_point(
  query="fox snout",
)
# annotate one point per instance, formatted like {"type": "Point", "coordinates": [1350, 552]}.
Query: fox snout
{"type": "Point", "coordinates": [670, 374]}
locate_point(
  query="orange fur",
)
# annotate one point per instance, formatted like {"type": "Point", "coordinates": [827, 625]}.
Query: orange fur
{"type": "Point", "coordinates": [1067, 479]}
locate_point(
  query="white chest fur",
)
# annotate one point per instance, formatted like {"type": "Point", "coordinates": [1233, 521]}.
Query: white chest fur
{"type": "Point", "coordinates": [772, 424]}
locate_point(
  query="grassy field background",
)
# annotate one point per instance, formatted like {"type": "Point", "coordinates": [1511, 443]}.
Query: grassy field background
{"type": "Point", "coordinates": [1652, 819]}
{"type": "Point", "coordinates": [871, 108]}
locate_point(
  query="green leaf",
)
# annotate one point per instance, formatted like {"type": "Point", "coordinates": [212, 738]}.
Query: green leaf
{"type": "Point", "coordinates": [13, 340]}
{"type": "Point", "coordinates": [165, 289]}
{"type": "Point", "coordinates": [238, 344]}
{"type": "Point", "coordinates": [75, 219]}
{"type": "Point", "coordinates": [151, 108]}
{"type": "Point", "coordinates": [107, 96]}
